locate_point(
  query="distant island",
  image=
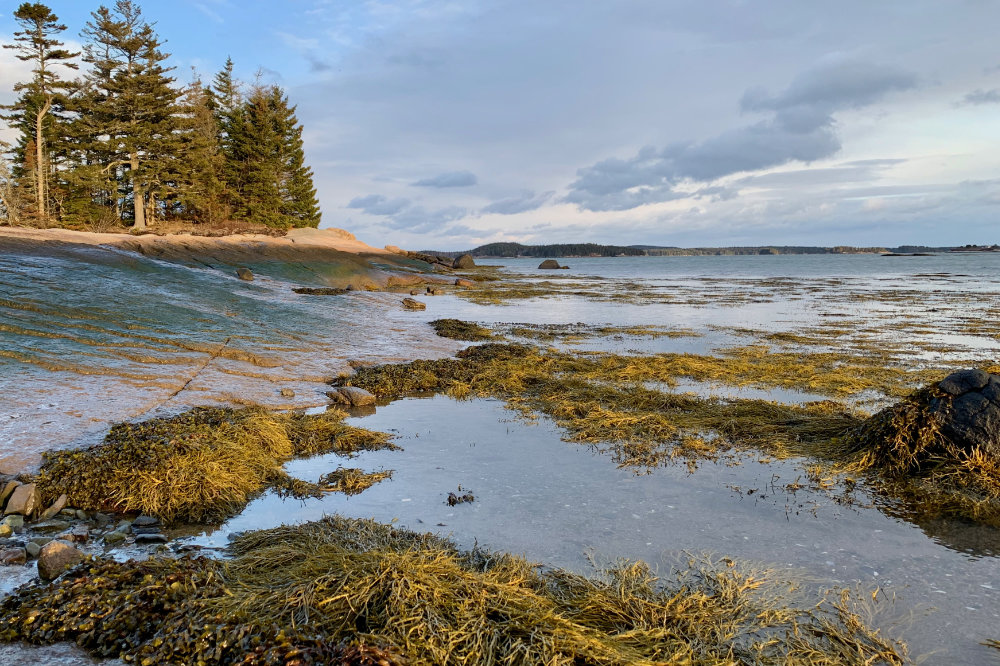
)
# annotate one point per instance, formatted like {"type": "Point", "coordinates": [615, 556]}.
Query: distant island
{"type": "Point", "coordinates": [509, 250]}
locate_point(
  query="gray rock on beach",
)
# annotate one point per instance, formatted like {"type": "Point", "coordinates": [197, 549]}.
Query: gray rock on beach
{"type": "Point", "coordinates": [56, 557]}
{"type": "Point", "coordinates": [971, 418]}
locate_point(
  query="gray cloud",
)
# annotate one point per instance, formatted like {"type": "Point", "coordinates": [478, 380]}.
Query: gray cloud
{"type": "Point", "coordinates": [979, 96]}
{"type": "Point", "coordinates": [801, 129]}
{"type": "Point", "coordinates": [450, 179]}
{"type": "Point", "coordinates": [419, 219]}
{"type": "Point", "coordinates": [377, 204]}
{"type": "Point", "coordinates": [522, 203]}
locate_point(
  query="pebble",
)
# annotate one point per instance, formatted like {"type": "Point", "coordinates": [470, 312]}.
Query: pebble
{"type": "Point", "coordinates": [5, 531]}
{"type": "Point", "coordinates": [146, 521]}
{"type": "Point", "coordinates": [158, 537]}
{"type": "Point", "coordinates": [113, 538]}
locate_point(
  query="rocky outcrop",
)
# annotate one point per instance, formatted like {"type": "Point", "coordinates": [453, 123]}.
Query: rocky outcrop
{"type": "Point", "coordinates": [244, 273]}
{"type": "Point", "coordinates": [464, 261]}
{"type": "Point", "coordinates": [549, 263]}
{"type": "Point", "coordinates": [969, 414]}
{"type": "Point", "coordinates": [412, 304]}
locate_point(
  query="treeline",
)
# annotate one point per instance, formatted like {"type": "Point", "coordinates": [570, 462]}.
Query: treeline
{"type": "Point", "coordinates": [557, 250]}
{"type": "Point", "coordinates": [123, 144]}
{"type": "Point", "coordinates": [736, 251]}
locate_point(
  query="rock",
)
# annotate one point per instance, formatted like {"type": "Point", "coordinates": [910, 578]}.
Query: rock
{"type": "Point", "coordinates": [56, 557]}
{"type": "Point", "coordinates": [102, 518]}
{"type": "Point", "coordinates": [145, 530]}
{"type": "Point", "coordinates": [51, 526]}
{"type": "Point", "coordinates": [354, 396]}
{"type": "Point", "coordinates": [82, 515]}
{"type": "Point", "coordinates": [464, 261]}
{"type": "Point", "coordinates": [411, 304]}
{"type": "Point", "coordinates": [549, 263]}
{"type": "Point", "coordinates": [11, 556]}
{"type": "Point", "coordinates": [155, 537]}
{"type": "Point", "coordinates": [971, 419]}
{"type": "Point", "coordinates": [56, 507]}
{"type": "Point", "coordinates": [395, 250]}
{"type": "Point", "coordinates": [146, 521]}
{"type": "Point", "coordinates": [462, 282]}
{"type": "Point", "coordinates": [33, 549]}
{"type": "Point", "coordinates": [6, 531]}
{"type": "Point", "coordinates": [40, 540]}
{"type": "Point", "coordinates": [124, 526]}
{"type": "Point", "coordinates": [79, 534]}
{"type": "Point", "coordinates": [433, 291]}
{"type": "Point", "coordinates": [7, 491]}
{"type": "Point", "coordinates": [287, 393]}
{"type": "Point", "coordinates": [114, 538]}
{"type": "Point", "coordinates": [68, 513]}
{"type": "Point", "coordinates": [244, 273]}
{"type": "Point", "coordinates": [414, 292]}
{"type": "Point", "coordinates": [24, 501]}
{"type": "Point", "coordinates": [14, 522]}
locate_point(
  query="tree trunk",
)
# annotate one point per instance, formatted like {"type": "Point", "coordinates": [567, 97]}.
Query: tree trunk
{"type": "Point", "coordinates": [138, 200]}
{"type": "Point", "coordinates": [41, 173]}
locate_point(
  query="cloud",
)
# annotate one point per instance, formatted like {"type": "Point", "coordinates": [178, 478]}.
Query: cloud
{"type": "Point", "coordinates": [980, 96]}
{"type": "Point", "coordinates": [450, 179]}
{"type": "Point", "coordinates": [801, 129]}
{"type": "Point", "coordinates": [419, 219]}
{"type": "Point", "coordinates": [377, 204]}
{"type": "Point", "coordinates": [522, 203]}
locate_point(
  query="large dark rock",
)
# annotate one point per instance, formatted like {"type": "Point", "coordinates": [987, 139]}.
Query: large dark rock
{"type": "Point", "coordinates": [971, 418]}
{"type": "Point", "coordinates": [244, 273]}
{"type": "Point", "coordinates": [549, 263]}
{"type": "Point", "coordinates": [465, 261]}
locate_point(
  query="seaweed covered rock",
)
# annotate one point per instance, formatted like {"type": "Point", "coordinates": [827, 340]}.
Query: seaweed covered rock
{"type": "Point", "coordinates": [969, 413]}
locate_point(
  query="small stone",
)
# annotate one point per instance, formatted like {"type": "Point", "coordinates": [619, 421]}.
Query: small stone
{"type": "Point", "coordinates": [124, 526]}
{"type": "Point", "coordinates": [24, 500]}
{"type": "Point", "coordinates": [244, 273]}
{"type": "Point", "coordinates": [79, 534]}
{"type": "Point", "coordinates": [433, 291]}
{"type": "Point", "coordinates": [411, 304]}
{"type": "Point", "coordinates": [15, 522]}
{"type": "Point", "coordinates": [82, 515]}
{"type": "Point", "coordinates": [69, 513]}
{"type": "Point", "coordinates": [102, 518]}
{"type": "Point", "coordinates": [462, 282]}
{"type": "Point", "coordinates": [7, 491]}
{"type": "Point", "coordinates": [146, 521]}
{"type": "Point", "coordinates": [6, 531]}
{"type": "Point", "coordinates": [287, 393]}
{"type": "Point", "coordinates": [158, 537]}
{"type": "Point", "coordinates": [414, 292]}
{"type": "Point", "coordinates": [114, 538]}
{"type": "Point", "coordinates": [51, 526]}
{"type": "Point", "coordinates": [56, 507]}
{"type": "Point", "coordinates": [145, 530]}
{"type": "Point", "coordinates": [56, 557]}
{"type": "Point", "coordinates": [33, 549]}
{"type": "Point", "coordinates": [11, 556]}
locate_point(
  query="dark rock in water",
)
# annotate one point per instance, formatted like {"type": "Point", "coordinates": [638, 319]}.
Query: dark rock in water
{"type": "Point", "coordinates": [549, 263]}
{"type": "Point", "coordinates": [145, 530]}
{"type": "Point", "coordinates": [287, 393]}
{"type": "Point", "coordinates": [411, 304]}
{"type": "Point", "coordinates": [157, 537]}
{"type": "Point", "coordinates": [146, 521]}
{"type": "Point", "coordinates": [465, 261]}
{"type": "Point", "coordinates": [971, 418]}
{"type": "Point", "coordinates": [11, 556]}
{"type": "Point", "coordinates": [321, 291]}
{"type": "Point", "coordinates": [244, 273]}
{"type": "Point", "coordinates": [57, 556]}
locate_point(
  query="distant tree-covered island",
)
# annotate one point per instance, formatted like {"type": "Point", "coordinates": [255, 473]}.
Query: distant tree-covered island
{"type": "Point", "coordinates": [122, 144]}
{"type": "Point", "coordinates": [596, 250]}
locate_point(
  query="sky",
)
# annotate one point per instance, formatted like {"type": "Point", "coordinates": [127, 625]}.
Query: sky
{"type": "Point", "coordinates": [445, 125]}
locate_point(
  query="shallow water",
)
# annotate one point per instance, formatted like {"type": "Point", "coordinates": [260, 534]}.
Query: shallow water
{"type": "Point", "coordinates": [561, 503]}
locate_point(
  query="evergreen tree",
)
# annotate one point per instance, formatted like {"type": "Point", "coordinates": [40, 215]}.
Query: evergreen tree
{"type": "Point", "coordinates": [130, 107]}
{"type": "Point", "coordinates": [299, 204]}
{"type": "Point", "coordinates": [42, 99]}
{"type": "Point", "coordinates": [230, 116]}
{"type": "Point", "coordinates": [201, 191]}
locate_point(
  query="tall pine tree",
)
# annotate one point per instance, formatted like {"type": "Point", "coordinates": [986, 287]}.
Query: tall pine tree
{"type": "Point", "coordinates": [42, 99]}
{"type": "Point", "coordinates": [131, 106]}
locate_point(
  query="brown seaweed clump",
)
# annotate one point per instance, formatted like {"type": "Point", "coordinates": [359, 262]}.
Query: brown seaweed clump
{"type": "Point", "coordinates": [200, 466]}
{"type": "Point", "coordinates": [347, 591]}
{"type": "Point", "coordinates": [456, 329]}
{"type": "Point", "coordinates": [923, 459]}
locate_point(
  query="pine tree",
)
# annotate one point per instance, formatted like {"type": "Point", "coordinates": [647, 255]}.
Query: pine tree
{"type": "Point", "coordinates": [201, 191]}
{"type": "Point", "coordinates": [42, 100]}
{"type": "Point", "coordinates": [131, 106]}
{"type": "Point", "coordinates": [299, 204]}
{"type": "Point", "coordinates": [230, 117]}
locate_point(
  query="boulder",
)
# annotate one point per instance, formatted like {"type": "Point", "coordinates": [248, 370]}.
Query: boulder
{"type": "Point", "coordinates": [549, 263]}
{"type": "Point", "coordinates": [244, 273]}
{"type": "Point", "coordinates": [7, 491]}
{"type": "Point", "coordinates": [353, 396]}
{"type": "Point", "coordinates": [464, 261]}
{"type": "Point", "coordinates": [56, 507]}
{"type": "Point", "coordinates": [56, 557]}
{"type": "Point", "coordinates": [462, 282]}
{"type": "Point", "coordinates": [24, 501]}
{"type": "Point", "coordinates": [412, 304]}
{"type": "Point", "coordinates": [33, 549]}
{"type": "Point", "coordinates": [287, 393]}
{"type": "Point", "coordinates": [971, 417]}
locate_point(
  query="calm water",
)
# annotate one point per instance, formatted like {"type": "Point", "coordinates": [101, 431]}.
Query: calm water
{"type": "Point", "coordinates": [144, 337]}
